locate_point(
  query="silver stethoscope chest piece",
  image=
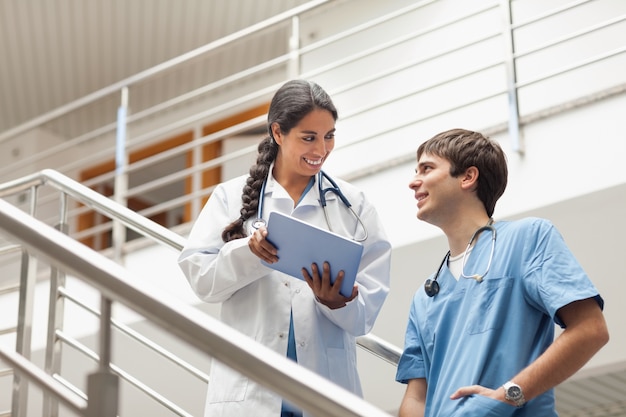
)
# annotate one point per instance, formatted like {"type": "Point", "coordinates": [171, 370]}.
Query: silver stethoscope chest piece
{"type": "Point", "coordinates": [431, 286]}
{"type": "Point", "coordinates": [258, 223]}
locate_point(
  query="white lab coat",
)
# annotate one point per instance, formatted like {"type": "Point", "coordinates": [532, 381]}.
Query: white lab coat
{"type": "Point", "coordinates": [257, 300]}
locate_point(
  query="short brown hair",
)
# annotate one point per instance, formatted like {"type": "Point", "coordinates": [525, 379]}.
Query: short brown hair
{"type": "Point", "coordinates": [465, 148]}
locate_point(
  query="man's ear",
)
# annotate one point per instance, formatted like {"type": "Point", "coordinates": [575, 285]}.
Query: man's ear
{"type": "Point", "coordinates": [276, 133]}
{"type": "Point", "coordinates": [470, 178]}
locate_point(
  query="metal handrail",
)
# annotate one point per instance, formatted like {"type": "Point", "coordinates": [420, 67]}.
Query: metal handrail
{"type": "Point", "coordinates": [161, 235]}
{"type": "Point", "coordinates": [147, 228]}
{"type": "Point", "coordinates": [8, 330]}
{"type": "Point", "coordinates": [133, 334]}
{"type": "Point", "coordinates": [36, 375]}
{"type": "Point", "coordinates": [124, 375]}
{"type": "Point", "coordinates": [96, 201]}
{"type": "Point", "coordinates": [141, 139]}
{"type": "Point", "coordinates": [304, 388]}
{"type": "Point", "coordinates": [162, 67]}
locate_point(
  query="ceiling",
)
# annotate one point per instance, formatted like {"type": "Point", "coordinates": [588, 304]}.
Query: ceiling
{"type": "Point", "coordinates": [57, 51]}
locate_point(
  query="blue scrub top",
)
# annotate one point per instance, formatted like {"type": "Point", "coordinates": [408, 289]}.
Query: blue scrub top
{"type": "Point", "coordinates": [485, 333]}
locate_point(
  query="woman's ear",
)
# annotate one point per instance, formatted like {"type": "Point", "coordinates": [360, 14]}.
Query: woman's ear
{"type": "Point", "coordinates": [276, 133]}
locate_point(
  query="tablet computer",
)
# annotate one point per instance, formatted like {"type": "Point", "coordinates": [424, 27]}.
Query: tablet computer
{"type": "Point", "coordinates": [300, 244]}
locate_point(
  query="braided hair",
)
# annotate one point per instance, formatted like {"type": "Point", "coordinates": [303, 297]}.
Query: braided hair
{"type": "Point", "coordinates": [291, 103]}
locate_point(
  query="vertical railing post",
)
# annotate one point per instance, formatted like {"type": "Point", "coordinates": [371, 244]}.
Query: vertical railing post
{"type": "Point", "coordinates": [121, 175]}
{"type": "Point", "coordinates": [511, 76]}
{"type": "Point", "coordinates": [56, 311]}
{"type": "Point", "coordinates": [23, 343]}
{"type": "Point", "coordinates": [196, 177]}
{"type": "Point", "coordinates": [103, 385]}
{"type": "Point", "coordinates": [293, 66]}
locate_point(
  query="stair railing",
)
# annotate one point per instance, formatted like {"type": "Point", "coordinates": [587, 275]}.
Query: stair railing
{"type": "Point", "coordinates": [58, 294]}
{"type": "Point", "coordinates": [304, 388]}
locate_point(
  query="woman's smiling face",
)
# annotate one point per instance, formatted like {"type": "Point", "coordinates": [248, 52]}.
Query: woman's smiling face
{"type": "Point", "coordinates": [306, 146]}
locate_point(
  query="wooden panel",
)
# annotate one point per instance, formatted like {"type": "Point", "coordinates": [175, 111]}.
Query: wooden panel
{"type": "Point", "coordinates": [91, 219]}
{"type": "Point", "coordinates": [214, 176]}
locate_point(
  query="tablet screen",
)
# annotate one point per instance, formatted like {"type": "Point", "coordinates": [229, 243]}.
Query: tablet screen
{"type": "Point", "coordinates": [300, 244]}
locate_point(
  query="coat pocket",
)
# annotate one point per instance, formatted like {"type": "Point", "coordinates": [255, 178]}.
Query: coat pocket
{"type": "Point", "coordinates": [341, 369]}
{"type": "Point", "coordinates": [226, 384]}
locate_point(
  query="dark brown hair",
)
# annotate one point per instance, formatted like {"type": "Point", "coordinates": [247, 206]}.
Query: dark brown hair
{"type": "Point", "coordinates": [463, 149]}
{"type": "Point", "coordinates": [290, 104]}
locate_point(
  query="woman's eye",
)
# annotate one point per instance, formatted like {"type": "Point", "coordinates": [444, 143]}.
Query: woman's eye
{"type": "Point", "coordinates": [330, 137]}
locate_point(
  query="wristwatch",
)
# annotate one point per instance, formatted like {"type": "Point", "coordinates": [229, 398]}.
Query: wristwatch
{"type": "Point", "coordinates": [513, 392]}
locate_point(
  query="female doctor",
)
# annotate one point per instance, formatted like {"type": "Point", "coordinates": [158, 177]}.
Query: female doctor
{"type": "Point", "coordinates": [307, 320]}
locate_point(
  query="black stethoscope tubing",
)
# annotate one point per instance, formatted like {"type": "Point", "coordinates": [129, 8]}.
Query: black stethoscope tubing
{"type": "Point", "coordinates": [259, 221]}
{"type": "Point", "coordinates": [431, 286]}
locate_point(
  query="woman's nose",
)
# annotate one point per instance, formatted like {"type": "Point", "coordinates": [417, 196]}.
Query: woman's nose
{"type": "Point", "coordinates": [321, 147]}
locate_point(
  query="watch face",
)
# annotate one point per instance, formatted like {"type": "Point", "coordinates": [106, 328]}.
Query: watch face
{"type": "Point", "coordinates": [514, 392]}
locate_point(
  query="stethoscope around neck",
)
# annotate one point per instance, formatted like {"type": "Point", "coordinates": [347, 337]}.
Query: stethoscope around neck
{"type": "Point", "coordinates": [431, 286]}
{"type": "Point", "coordinates": [260, 221]}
